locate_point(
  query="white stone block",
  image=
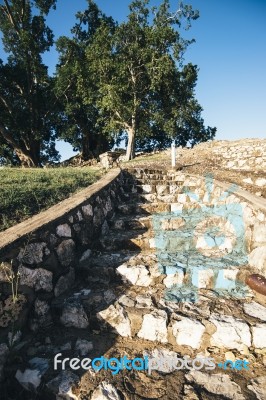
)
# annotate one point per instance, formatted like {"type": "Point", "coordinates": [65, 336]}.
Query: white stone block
{"type": "Point", "coordinates": [154, 327]}
{"type": "Point", "coordinates": [231, 333]}
{"type": "Point", "coordinates": [255, 310]}
{"type": "Point", "coordinates": [259, 336]}
{"type": "Point", "coordinates": [117, 318]}
{"type": "Point", "coordinates": [188, 332]}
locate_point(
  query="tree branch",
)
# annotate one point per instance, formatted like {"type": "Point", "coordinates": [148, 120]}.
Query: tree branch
{"type": "Point", "coordinates": [10, 16]}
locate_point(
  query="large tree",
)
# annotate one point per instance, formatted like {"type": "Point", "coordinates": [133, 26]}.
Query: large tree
{"type": "Point", "coordinates": [145, 90]}
{"type": "Point", "coordinates": [27, 103]}
{"type": "Point", "coordinates": [77, 86]}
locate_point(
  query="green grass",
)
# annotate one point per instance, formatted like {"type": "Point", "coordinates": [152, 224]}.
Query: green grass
{"type": "Point", "coordinates": [25, 192]}
{"type": "Point", "coordinates": [150, 157]}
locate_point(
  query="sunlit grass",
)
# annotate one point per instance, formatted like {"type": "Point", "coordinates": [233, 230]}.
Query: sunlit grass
{"type": "Point", "coordinates": [25, 192]}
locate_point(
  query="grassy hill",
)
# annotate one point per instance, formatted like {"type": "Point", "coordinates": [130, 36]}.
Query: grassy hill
{"type": "Point", "coordinates": [25, 192]}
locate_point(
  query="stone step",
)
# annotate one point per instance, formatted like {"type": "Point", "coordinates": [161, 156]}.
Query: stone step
{"type": "Point", "coordinates": [131, 223]}
{"type": "Point", "coordinates": [159, 198]}
{"type": "Point", "coordinates": [150, 181]}
{"type": "Point", "coordinates": [144, 209]}
{"type": "Point", "coordinates": [160, 188]}
{"type": "Point", "coordinates": [135, 240]}
{"type": "Point", "coordinates": [138, 171]}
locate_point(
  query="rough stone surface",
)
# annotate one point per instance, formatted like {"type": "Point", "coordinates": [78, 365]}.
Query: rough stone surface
{"type": "Point", "coordinates": [109, 296]}
{"type": "Point", "coordinates": [154, 327]}
{"type": "Point", "coordinates": [64, 282]}
{"type": "Point", "coordinates": [230, 333]}
{"type": "Point", "coordinates": [83, 347]}
{"type": "Point", "coordinates": [73, 315]}
{"type": "Point", "coordinates": [33, 253]}
{"type": "Point", "coordinates": [66, 252]}
{"type": "Point", "coordinates": [63, 384]}
{"type": "Point", "coordinates": [30, 379]}
{"type": "Point", "coordinates": [189, 393]}
{"type": "Point", "coordinates": [137, 275]}
{"type": "Point", "coordinates": [259, 336]}
{"type": "Point", "coordinates": [41, 307]}
{"type": "Point", "coordinates": [188, 332]}
{"type": "Point", "coordinates": [218, 384]}
{"type": "Point", "coordinates": [87, 210]}
{"type": "Point", "coordinates": [39, 279]}
{"type": "Point", "coordinates": [117, 318]}
{"type": "Point", "coordinates": [126, 301]}
{"type": "Point", "coordinates": [159, 360]}
{"type": "Point", "coordinates": [255, 310]}
{"type": "Point", "coordinates": [85, 257]}
{"type": "Point", "coordinates": [173, 277]}
{"type": "Point", "coordinates": [257, 259]}
{"type": "Point", "coordinates": [143, 302]}
{"type": "Point", "coordinates": [3, 356]}
{"type": "Point", "coordinates": [259, 234]}
{"type": "Point", "coordinates": [258, 386]}
{"type": "Point", "coordinates": [105, 391]}
{"type": "Point", "coordinates": [105, 228]}
{"type": "Point", "coordinates": [63, 230]}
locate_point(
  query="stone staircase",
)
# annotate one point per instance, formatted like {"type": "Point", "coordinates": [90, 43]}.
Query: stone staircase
{"type": "Point", "coordinates": [152, 287]}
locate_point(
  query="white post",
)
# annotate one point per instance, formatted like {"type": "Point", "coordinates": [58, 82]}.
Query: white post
{"type": "Point", "coordinates": [173, 154]}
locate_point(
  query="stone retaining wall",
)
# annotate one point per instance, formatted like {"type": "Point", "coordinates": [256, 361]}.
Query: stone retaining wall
{"type": "Point", "coordinates": [248, 154]}
{"type": "Point", "coordinates": [47, 249]}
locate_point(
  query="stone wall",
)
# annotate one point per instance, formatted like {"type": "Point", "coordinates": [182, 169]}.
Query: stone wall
{"type": "Point", "coordinates": [246, 154]}
{"type": "Point", "coordinates": [46, 250]}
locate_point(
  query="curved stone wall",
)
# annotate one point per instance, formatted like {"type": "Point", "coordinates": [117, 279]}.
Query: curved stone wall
{"type": "Point", "coordinates": [47, 249]}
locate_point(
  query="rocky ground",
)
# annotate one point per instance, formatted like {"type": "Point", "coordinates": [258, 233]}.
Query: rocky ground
{"type": "Point", "coordinates": [148, 290]}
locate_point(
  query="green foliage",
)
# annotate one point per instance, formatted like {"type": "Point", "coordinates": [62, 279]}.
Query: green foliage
{"type": "Point", "coordinates": [25, 192]}
{"type": "Point", "coordinates": [77, 87]}
{"type": "Point", "coordinates": [145, 90]}
{"type": "Point", "coordinates": [113, 81]}
{"type": "Point", "coordinates": [27, 103]}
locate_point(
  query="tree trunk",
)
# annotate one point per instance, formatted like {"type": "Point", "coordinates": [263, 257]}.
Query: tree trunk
{"type": "Point", "coordinates": [131, 132]}
{"type": "Point", "coordinates": [85, 151]}
{"type": "Point", "coordinates": [27, 157]}
{"type": "Point", "coordinates": [130, 154]}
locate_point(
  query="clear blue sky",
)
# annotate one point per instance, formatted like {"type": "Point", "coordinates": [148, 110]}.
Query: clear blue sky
{"type": "Point", "coordinates": [230, 51]}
